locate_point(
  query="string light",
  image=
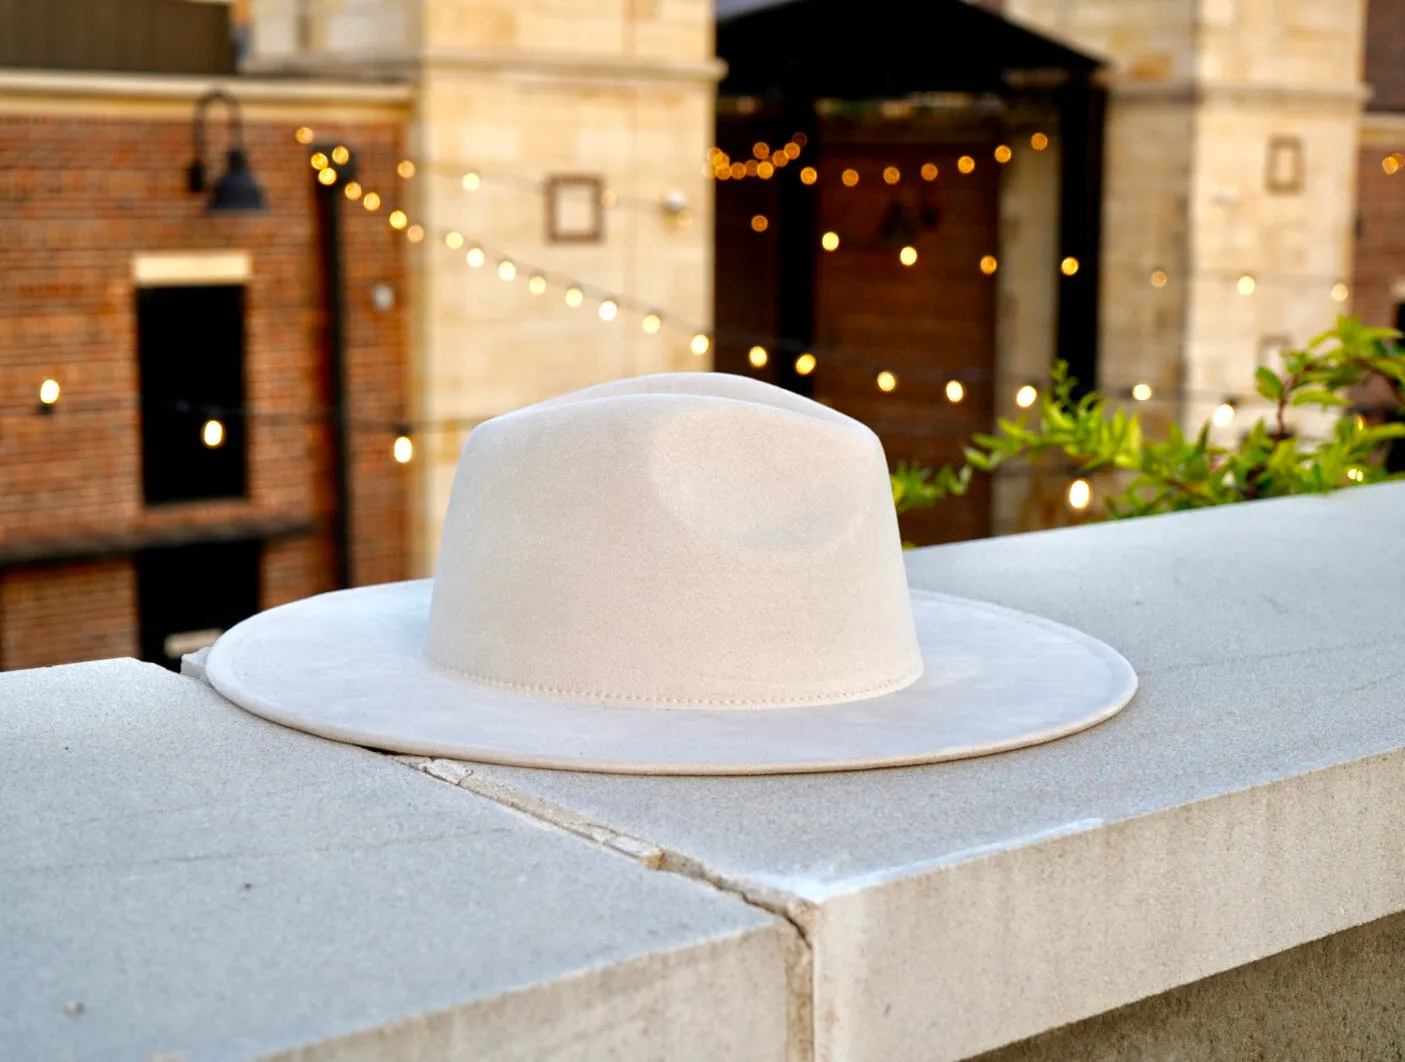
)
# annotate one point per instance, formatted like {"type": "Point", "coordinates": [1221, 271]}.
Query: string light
{"type": "Point", "coordinates": [340, 155]}
{"type": "Point", "coordinates": [574, 297]}
{"type": "Point", "coordinates": [805, 364]}
{"type": "Point", "coordinates": [453, 241]}
{"type": "Point", "coordinates": [907, 256]}
{"type": "Point", "coordinates": [398, 219]}
{"type": "Point", "coordinates": [1003, 154]}
{"type": "Point", "coordinates": [758, 357]}
{"type": "Point", "coordinates": [955, 392]}
{"type": "Point", "coordinates": [609, 310]}
{"type": "Point", "coordinates": [403, 449]}
{"type": "Point", "coordinates": [1223, 416]}
{"type": "Point", "coordinates": [319, 161]}
{"type": "Point", "coordinates": [989, 265]}
{"type": "Point", "coordinates": [507, 270]}
{"type": "Point", "coordinates": [537, 284]}
{"type": "Point", "coordinates": [304, 135]}
{"type": "Point", "coordinates": [1246, 285]}
{"type": "Point", "coordinates": [212, 434]}
{"type": "Point", "coordinates": [850, 178]}
{"type": "Point", "coordinates": [1079, 495]}
{"type": "Point", "coordinates": [1026, 396]}
{"type": "Point", "coordinates": [1355, 475]}
{"type": "Point", "coordinates": [759, 223]}
{"type": "Point", "coordinates": [792, 150]}
{"type": "Point", "coordinates": [929, 171]}
{"type": "Point", "coordinates": [327, 177]}
{"type": "Point", "coordinates": [966, 164]}
{"type": "Point", "coordinates": [892, 175]}
{"type": "Point", "coordinates": [415, 233]}
{"type": "Point", "coordinates": [1158, 278]}
{"type": "Point", "coordinates": [471, 182]}
{"type": "Point", "coordinates": [764, 170]}
{"type": "Point", "coordinates": [830, 241]}
{"type": "Point", "coordinates": [809, 175]}
{"type": "Point", "coordinates": [406, 169]}
{"type": "Point", "coordinates": [1360, 422]}
{"type": "Point", "coordinates": [700, 344]}
{"type": "Point", "coordinates": [1069, 266]}
{"type": "Point", "coordinates": [1039, 141]}
{"type": "Point", "coordinates": [886, 381]}
{"type": "Point", "coordinates": [779, 159]}
{"type": "Point", "coordinates": [352, 190]}
{"type": "Point", "coordinates": [1141, 392]}
{"type": "Point", "coordinates": [738, 171]}
{"type": "Point", "coordinates": [652, 323]}
{"type": "Point", "coordinates": [371, 201]}
{"type": "Point", "coordinates": [1391, 163]}
{"type": "Point", "coordinates": [49, 392]}
{"type": "Point", "coordinates": [760, 149]}
{"type": "Point", "coordinates": [1340, 292]}
{"type": "Point", "coordinates": [475, 257]}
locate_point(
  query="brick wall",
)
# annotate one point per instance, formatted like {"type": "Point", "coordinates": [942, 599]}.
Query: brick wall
{"type": "Point", "coordinates": [53, 615]}
{"type": "Point", "coordinates": [79, 196]}
{"type": "Point", "coordinates": [1385, 54]}
{"type": "Point", "coordinates": [1380, 244]}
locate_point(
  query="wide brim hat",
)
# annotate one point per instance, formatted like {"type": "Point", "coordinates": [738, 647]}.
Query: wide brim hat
{"type": "Point", "coordinates": [689, 573]}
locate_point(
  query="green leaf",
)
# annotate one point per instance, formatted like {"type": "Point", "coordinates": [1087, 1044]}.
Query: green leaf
{"type": "Point", "coordinates": [1319, 398]}
{"type": "Point", "coordinates": [1270, 384]}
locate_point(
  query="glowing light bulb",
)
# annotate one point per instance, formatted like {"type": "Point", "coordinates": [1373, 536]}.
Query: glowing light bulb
{"type": "Point", "coordinates": [850, 178]}
{"type": "Point", "coordinates": [403, 450]}
{"type": "Point", "coordinates": [759, 223]}
{"type": "Point", "coordinates": [989, 265]}
{"type": "Point", "coordinates": [327, 177]}
{"type": "Point", "coordinates": [652, 323]}
{"type": "Point", "coordinates": [1355, 475]}
{"type": "Point", "coordinates": [475, 257]}
{"type": "Point", "coordinates": [907, 256]}
{"type": "Point", "coordinates": [406, 169]}
{"type": "Point", "coordinates": [470, 182]}
{"type": "Point", "coordinates": [574, 297]}
{"type": "Point", "coordinates": [1039, 141]}
{"type": "Point", "coordinates": [399, 219]}
{"type": "Point", "coordinates": [886, 381]}
{"type": "Point", "coordinates": [1390, 164]}
{"type": "Point", "coordinates": [1026, 396]}
{"type": "Point", "coordinates": [49, 392]}
{"type": "Point", "coordinates": [340, 155]}
{"type": "Point", "coordinates": [760, 149]}
{"type": "Point", "coordinates": [1079, 495]}
{"type": "Point", "coordinates": [1003, 154]}
{"type": "Point", "coordinates": [537, 284]}
{"type": "Point", "coordinates": [700, 344]}
{"type": "Point", "coordinates": [758, 357]}
{"type": "Point", "coordinates": [304, 135]}
{"type": "Point", "coordinates": [830, 241]}
{"type": "Point", "coordinates": [1223, 416]}
{"type": "Point", "coordinates": [319, 161]}
{"type": "Point", "coordinates": [892, 175]}
{"type": "Point", "coordinates": [1158, 278]}
{"type": "Point", "coordinates": [1246, 285]}
{"type": "Point", "coordinates": [507, 270]}
{"type": "Point", "coordinates": [353, 191]}
{"type": "Point", "coordinates": [738, 171]}
{"type": "Point", "coordinates": [793, 148]}
{"type": "Point", "coordinates": [453, 241]}
{"type": "Point", "coordinates": [1340, 292]}
{"type": "Point", "coordinates": [609, 310]}
{"type": "Point", "coordinates": [966, 164]}
{"type": "Point", "coordinates": [929, 171]}
{"type": "Point", "coordinates": [212, 434]}
{"type": "Point", "coordinates": [1141, 392]}
{"type": "Point", "coordinates": [809, 175]}
{"type": "Point", "coordinates": [371, 202]}
{"type": "Point", "coordinates": [1068, 266]}
{"type": "Point", "coordinates": [415, 233]}
{"type": "Point", "coordinates": [765, 170]}
{"type": "Point", "coordinates": [805, 364]}
{"type": "Point", "coordinates": [955, 392]}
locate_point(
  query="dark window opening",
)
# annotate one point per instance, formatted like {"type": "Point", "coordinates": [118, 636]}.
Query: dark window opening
{"type": "Point", "coordinates": [189, 595]}
{"type": "Point", "coordinates": [191, 352]}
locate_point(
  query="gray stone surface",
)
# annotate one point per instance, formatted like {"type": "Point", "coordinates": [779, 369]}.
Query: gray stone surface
{"type": "Point", "coordinates": [181, 880]}
{"type": "Point", "coordinates": [1245, 802]}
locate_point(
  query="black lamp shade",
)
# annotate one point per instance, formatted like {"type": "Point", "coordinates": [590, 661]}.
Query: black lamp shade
{"type": "Point", "coordinates": [237, 191]}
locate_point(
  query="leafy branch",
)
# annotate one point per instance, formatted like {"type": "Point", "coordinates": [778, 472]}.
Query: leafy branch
{"type": "Point", "coordinates": [1182, 472]}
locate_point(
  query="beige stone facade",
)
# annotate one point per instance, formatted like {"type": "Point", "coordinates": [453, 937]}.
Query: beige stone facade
{"type": "Point", "coordinates": [517, 93]}
{"type": "Point", "coordinates": [1231, 152]}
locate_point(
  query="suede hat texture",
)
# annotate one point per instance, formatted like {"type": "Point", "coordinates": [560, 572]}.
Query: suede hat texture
{"type": "Point", "coordinates": [690, 573]}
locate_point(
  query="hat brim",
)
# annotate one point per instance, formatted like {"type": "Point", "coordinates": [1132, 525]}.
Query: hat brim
{"type": "Point", "coordinates": [349, 666]}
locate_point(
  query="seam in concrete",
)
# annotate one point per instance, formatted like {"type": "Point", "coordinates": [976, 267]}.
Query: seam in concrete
{"type": "Point", "coordinates": [797, 913]}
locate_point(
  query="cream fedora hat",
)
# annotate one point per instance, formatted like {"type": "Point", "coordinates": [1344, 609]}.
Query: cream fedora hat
{"type": "Point", "coordinates": [691, 573]}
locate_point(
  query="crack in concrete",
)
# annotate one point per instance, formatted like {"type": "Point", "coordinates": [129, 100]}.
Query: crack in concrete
{"type": "Point", "coordinates": [799, 914]}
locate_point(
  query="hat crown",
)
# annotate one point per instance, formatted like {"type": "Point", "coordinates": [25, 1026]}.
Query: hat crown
{"type": "Point", "coordinates": [683, 540]}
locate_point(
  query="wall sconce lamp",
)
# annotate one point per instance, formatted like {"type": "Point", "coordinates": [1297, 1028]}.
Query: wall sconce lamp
{"type": "Point", "coordinates": [236, 191]}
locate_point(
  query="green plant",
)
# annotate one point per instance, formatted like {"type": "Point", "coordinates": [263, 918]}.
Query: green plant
{"type": "Point", "coordinates": [1085, 438]}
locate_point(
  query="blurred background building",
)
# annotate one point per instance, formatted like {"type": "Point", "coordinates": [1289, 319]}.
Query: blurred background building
{"type": "Point", "coordinates": [905, 211]}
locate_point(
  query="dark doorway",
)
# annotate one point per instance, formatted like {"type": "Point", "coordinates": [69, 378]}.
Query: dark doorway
{"type": "Point", "coordinates": [191, 352]}
{"type": "Point", "coordinates": [187, 595]}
